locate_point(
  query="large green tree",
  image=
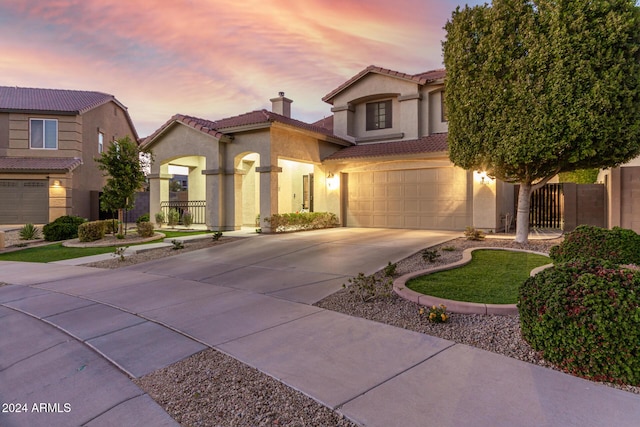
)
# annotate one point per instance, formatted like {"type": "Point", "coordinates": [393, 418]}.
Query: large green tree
{"type": "Point", "coordinates": [122, 165]}
{"type": "Point", "coordinates": [535, 88]}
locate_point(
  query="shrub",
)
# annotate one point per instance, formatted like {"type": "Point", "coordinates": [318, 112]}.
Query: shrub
{"type": "Point", "coordinates": [618, 245]}
{"type": "Point", "coordinates": [187, 219]}
{"type": "Point", "coordinates": [430, 255]}
{"type": "Point", "coordinates": [177, 244]}
{"type": "Point", "coordinates": [29, 232]}
{"type": "Point", "coordinates": [369, 288]}
{"type": "Point", "coordinates": [302, 221]}
{"type": "Point", "coordinates": [91, 231]}
{"type": "Point", "coordinates": [63, 228]}
{"type": "Point", "coordinates": [173, 218]}
{"type": "Point", "coordinates": [160, 219]}
{"type": "Point", "coordinates": [585, 317]}
{"type": "Point", "coordinates": [390, 269]}
{"type": "Point", "coordinates": [143, 218]}
{"type": "Point", "coordinates": [217, 235]}
{"type": "Point", "coordinates": [111, 226]}
{"type": "Point", "coordinates": [472, 233]}
{"type": "Point", "coordinates": [145, 229]}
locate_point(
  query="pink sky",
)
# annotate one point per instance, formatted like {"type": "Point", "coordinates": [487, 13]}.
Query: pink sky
{"type": "Point", "coordinates": [214, 58]}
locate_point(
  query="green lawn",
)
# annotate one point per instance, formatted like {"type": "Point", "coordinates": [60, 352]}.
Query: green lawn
{"type": "Point", "coordinates": [49, 253]}
{"type": "Point", "coordinates": [492, 277]}
{"type": "Point", "coordinates": [57, 252]}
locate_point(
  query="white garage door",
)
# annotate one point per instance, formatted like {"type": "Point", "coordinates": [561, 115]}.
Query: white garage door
{"type": "Point", "coordinates": [436, 198]}
{"type": "Point", "coordinates": [24, 201]}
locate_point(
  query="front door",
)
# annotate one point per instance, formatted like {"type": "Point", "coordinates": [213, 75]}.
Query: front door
{"type": "Point", "coordinates": [307, 192]}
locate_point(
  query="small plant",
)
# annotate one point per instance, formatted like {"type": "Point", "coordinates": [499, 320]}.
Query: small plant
{"type": "Point", "coordinates": [187, 219]}
{"type": "Point", "coordinates": [119, 252]}
{"type": "Point", "coordinates": [173, 217]}
{"type": "Point", "coordinates": [119, 236]}
{"type": "Point", "coordinates": [177, 244]}
{"type": "Point", "coordinates": [430, 255]}
{"type": "Point", "coordinates": [145, 229]}
{"type": "Point", "coordinates": [390, 269]}
{"type": "Point", "coordinates": [369, 288]}
{"type": "Point", "coordinates": [29, 232]}
{"type": "Point", "coordinates": [160, 219]}
{"type": "Point", "coordinates": [448, 248]}
{"type": "Point", "coordinates": [91, 231]}
{"type": "Point", "coordinates": [217, 235]}
{"type": "Point", "coordinates": [143, 218]}
{"type": "Point", "coordinates": [435, 314]}
{"type": "Point", "coordinates": [472, 233]}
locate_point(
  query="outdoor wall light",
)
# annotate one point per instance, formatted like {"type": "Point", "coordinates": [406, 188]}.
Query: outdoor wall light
{"type": "Point", "coordinates": [56, 183]}
{"type": "Point", "coordinates": [483, 177]}
{"type": "Point", "coordinates": [331, 181]}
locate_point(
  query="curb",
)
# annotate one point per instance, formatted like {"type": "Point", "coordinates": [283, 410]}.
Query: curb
{"type": "Point", "coordinates": [400, 288]}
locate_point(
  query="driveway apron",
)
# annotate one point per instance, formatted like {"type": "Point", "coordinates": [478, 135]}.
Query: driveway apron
{"type": "Point", "coordinates": [251, 299]}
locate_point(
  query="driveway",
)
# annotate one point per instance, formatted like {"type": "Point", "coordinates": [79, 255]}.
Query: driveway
{"type": "Point", "coordinates": [300, 267]}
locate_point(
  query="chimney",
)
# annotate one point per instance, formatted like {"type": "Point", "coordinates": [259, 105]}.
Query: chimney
{"type": "Point", "coordinates": [281, 105]}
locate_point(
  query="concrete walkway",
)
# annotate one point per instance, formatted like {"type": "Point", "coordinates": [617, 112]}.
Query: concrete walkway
{"type": "Point", "coordinates": [250, 299]}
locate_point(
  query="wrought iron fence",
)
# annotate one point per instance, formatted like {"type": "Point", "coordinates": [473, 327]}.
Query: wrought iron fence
{"type": "Point", "coordinates": [546, 210]}
{"type": "Point", "coordinates": [195, 207]}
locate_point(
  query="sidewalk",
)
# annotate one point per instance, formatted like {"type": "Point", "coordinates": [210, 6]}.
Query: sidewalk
{"type": "Point", "coordinates": [375, 374]}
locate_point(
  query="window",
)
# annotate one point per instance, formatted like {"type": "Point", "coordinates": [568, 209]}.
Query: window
{"type": "Point", "coordinates": [100, 142]}
{"type": "Point", "coordinates": [443, 108]}
{"type": "Point", "coordinates": [43, 134]}
{"type": "Point", "coordinates": [379, 115]}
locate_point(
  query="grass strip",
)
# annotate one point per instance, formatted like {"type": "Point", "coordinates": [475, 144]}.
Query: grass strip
{"type": "Point", "coordinates": [492, 277]}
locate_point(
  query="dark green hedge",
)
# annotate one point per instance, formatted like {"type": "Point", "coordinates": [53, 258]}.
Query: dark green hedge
{"type": "Point", "coordinates": [617, 245]}
{"type": "Point", "coordinates": [584, 316]}
{"type": "Point", "coordinates": [63, 228]}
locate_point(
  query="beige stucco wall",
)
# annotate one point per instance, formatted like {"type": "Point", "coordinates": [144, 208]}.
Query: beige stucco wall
{"type": "Point", "coordinates": [435, 122]}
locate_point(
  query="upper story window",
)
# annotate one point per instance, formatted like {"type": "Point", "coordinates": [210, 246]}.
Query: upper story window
{"type": "Point", "coordinates": [43, 133]}
{"type": "Point", "coordinates": [379, 115]}
{"type": "Point", "coordinates": [100, 142]}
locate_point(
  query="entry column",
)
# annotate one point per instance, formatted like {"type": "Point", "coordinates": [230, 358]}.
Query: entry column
{"type": "Point", "coordinates": [268, 194]}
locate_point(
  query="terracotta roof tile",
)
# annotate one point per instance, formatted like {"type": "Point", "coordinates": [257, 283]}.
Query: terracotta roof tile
{"type": "Point", "coordinates": [222, 127]}
{"type": "Point", "coordinates": [57, 164]}
{"type": "Point", "coordinates": [326, 123]}
{"type": "Point", "coordinates": [421, 78]}
{"type": "Point", "coordinates": [429, 144]}
{"type": "Point", "coordinates": [53, 100]}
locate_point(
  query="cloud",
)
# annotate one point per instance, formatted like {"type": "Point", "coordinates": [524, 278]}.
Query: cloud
{"type": "Point", "coordinates": [214, 58]}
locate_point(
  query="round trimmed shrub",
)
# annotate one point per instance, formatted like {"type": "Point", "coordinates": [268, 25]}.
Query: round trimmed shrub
{"type": "Point", "coordinates": [63, 228]}
{"type": "Point", "coordinates": [91, 231]}
{"type": "Point", "coordinates": [145, 229]}
{"type": "Point", "coordinates": [619, 245]}
{"type": "Point", "coordinates": [143, 218]}
{"type": "Point", "coordinates": [584, 316]}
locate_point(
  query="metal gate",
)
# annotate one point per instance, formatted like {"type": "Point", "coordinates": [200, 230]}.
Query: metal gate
{"type": "Point", "coordinates": [546, 209]}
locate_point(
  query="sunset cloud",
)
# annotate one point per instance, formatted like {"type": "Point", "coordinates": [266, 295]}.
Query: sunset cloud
{"type": "Point", "coordinates": [214, 58]}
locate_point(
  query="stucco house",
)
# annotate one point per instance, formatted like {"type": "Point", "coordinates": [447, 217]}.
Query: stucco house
{"type": "Point", "coordinates": [380, 161]}
{"type": "Point", "coordinates": [48, 140]}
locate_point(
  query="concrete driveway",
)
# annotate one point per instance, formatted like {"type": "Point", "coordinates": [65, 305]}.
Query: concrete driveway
{"type": "Point", "coordinates": [250, 299]}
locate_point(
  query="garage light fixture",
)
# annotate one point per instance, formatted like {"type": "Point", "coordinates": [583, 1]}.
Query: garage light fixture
{"type": "Point", "coordinates": [56, 183]}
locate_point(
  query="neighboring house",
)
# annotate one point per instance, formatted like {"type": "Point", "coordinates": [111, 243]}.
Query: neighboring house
{"type": "Point", "coordinates": [48, 140]}
{"type": "Point", "coordinates": [380, 161]}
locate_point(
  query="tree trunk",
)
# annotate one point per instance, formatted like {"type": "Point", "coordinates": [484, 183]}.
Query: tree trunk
{"type": "Point", "coordinates": [121, 221]}
{"type": "Point", "coordinates": [522, 220]}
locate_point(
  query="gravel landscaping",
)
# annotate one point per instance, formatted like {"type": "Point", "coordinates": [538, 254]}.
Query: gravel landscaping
{"type": "Point", "coordinates": [212, 389]}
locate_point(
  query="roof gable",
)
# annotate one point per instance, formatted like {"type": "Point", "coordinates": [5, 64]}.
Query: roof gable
{"type": "Point", "coordinates": [420, 79]}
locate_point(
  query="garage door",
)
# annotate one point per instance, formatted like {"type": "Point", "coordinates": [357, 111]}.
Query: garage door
{"type": "Point", "coordinates": [24, 201]}
{"type": "Point", "coordinates": [424, 199]}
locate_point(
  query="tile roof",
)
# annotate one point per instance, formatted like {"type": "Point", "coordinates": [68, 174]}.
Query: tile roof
{"type": "Point", "coordinates": [51, 100]}
{"type": "Point", "coordinates": [225, 126]}
{"type": "Point", "coordinates": [33, 164]}
{"type": "Point", "coordinates": [429, 144]}
{"type": "Point", "coordinates": [326, 123]}
{"type": "Point", "coordinates": [421, 78]}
